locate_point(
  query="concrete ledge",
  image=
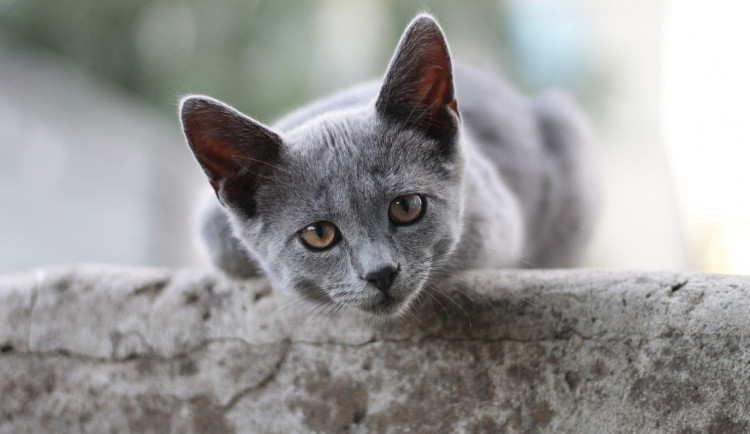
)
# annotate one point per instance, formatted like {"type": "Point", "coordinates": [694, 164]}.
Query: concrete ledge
{"type": "Point", "coordinates": [112, 349]}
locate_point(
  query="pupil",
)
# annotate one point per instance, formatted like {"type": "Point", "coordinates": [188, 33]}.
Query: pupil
{"type": "Point", "coordinates": [404, 205]}
{"type": "Point", "coordinates": [319, 231]}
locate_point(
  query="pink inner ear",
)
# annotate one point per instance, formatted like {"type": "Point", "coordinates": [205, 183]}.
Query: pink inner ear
{"type": "Point", "coordinates": [436, 89]}
{"type": "Point", "coordinates": [215, 155]}
{"type": "Point", "coordinates": [234, 151]}
{"type": "Point", "coordinates": [436, 86]}
{"type": "Point", "coordinates": [454, 106]}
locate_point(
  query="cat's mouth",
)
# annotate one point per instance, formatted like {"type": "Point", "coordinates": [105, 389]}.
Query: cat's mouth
{"type": "Point", "coordinates": [393, 302]}
{"type": "Point", "coordinates": [387, 305]}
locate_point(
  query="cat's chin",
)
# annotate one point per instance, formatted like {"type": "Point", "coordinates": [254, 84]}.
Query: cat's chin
{"type": "Point", "coordinates": [386, 306]}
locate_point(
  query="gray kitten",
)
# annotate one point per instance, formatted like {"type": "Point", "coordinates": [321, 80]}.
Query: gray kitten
{"type": "Point", "coordinates": [365, 198]}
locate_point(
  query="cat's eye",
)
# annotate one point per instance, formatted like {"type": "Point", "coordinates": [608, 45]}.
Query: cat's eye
{"type": "Point", "coordinates": [319, 235]}
{"type": "Point", "coordinates": [406, 209]}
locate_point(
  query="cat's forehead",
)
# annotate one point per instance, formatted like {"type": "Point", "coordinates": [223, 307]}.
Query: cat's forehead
{"type": "Point", "coordinates": [340, 136]}
{"type": "Point", "coordinates": [352, 148]}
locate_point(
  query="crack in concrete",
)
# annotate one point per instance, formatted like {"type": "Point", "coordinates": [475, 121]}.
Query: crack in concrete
{"type": "Point", "coordinates": [66, 352]}
{"type": "Point", "coordinates": [116, 338]}
{"type": "Point", "coordinates": [153, 289]}
{"type": "Point", "coordinates": [237, 397]}
{"type": "Point", "coordinates": [203, 345]}
{"type": "Point", "coordinates": [678, 284]}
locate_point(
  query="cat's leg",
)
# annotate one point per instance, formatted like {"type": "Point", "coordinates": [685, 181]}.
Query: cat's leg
{"type": "Point", "coordinates": [222, 247]}
{"type": "Point", "coordinates": [571, 193]}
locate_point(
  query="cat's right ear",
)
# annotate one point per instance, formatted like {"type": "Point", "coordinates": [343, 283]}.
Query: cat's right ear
{"type": "Point", "coordinates": [418, 87]}
{"type": "Point", "coordinates": [235, 151]}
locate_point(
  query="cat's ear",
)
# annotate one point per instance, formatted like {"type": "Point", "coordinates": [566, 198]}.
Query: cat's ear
{"type": "Point", "coordinates": [418, 87]}
{"type": "Point", "coordinates": [235, 151]}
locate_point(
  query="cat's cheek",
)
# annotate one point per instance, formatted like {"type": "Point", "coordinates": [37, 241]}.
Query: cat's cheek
{"type": "Point", "coordinates": [322, 270]}
{"type": "Point", "coordinates": [446, 234]}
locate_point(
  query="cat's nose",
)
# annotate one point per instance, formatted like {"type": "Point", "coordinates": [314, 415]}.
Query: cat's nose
{"type": "Point", "coordinates": [383, 277]}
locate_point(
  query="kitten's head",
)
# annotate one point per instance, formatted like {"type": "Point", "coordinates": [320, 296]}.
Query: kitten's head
{"type": "Point", "coordinates": [355, 207]}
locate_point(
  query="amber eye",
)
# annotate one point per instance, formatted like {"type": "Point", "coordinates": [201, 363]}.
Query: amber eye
{"type": "Point", "coordinates": [407, 209]}
{"type": "Point", "coordinates": [320, 235]}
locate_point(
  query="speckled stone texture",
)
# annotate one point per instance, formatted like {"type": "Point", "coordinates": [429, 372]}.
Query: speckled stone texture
{"type": "Point", "coordinates": [117, 349]}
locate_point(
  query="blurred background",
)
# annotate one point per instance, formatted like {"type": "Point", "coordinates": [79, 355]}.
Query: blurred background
{"type": "Point", "coordinates": [93, 166]}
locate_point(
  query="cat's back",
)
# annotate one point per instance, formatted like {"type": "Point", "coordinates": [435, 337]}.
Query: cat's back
{"type": "Point", "coordinates": [541, 148]}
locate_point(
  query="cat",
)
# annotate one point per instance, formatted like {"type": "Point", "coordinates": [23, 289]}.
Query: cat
{"type": "Point", "coordinates": [365, 199]}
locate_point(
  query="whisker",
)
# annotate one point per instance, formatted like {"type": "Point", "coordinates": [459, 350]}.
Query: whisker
{"type": "Point", "coordinates": [323, 313]}
{"type": "Point", "coordinates": [433, 297]}
{"type": "Point", "coordinates": [283, 362]}
{"type": "Point", "coordinates": [274, 166]}
{"type": "Point", "coordinates": [435, 287]}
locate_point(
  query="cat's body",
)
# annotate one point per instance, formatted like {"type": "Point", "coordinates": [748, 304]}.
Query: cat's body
{"type": "Point", "coordinates": [402, 184]}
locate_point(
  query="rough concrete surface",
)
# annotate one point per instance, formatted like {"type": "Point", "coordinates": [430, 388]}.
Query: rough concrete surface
{"type": "Point", "coordinates": [120, 349]}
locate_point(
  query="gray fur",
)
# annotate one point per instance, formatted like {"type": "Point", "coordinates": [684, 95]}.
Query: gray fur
{"type": "Point", "coordinates": [510, 187]}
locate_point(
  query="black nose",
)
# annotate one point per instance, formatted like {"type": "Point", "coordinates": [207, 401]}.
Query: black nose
{"type": "Point", "coordinates": [383, 277]}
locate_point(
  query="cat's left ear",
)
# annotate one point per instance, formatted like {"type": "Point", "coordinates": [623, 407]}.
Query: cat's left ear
{"type": "Point", "coordinates": [418, 87]}
{"type": "Point", "coordinates": [236, 152]}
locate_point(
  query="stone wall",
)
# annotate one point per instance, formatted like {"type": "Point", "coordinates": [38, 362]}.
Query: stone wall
{"type": "Point", "coordinates": [116, 349]}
